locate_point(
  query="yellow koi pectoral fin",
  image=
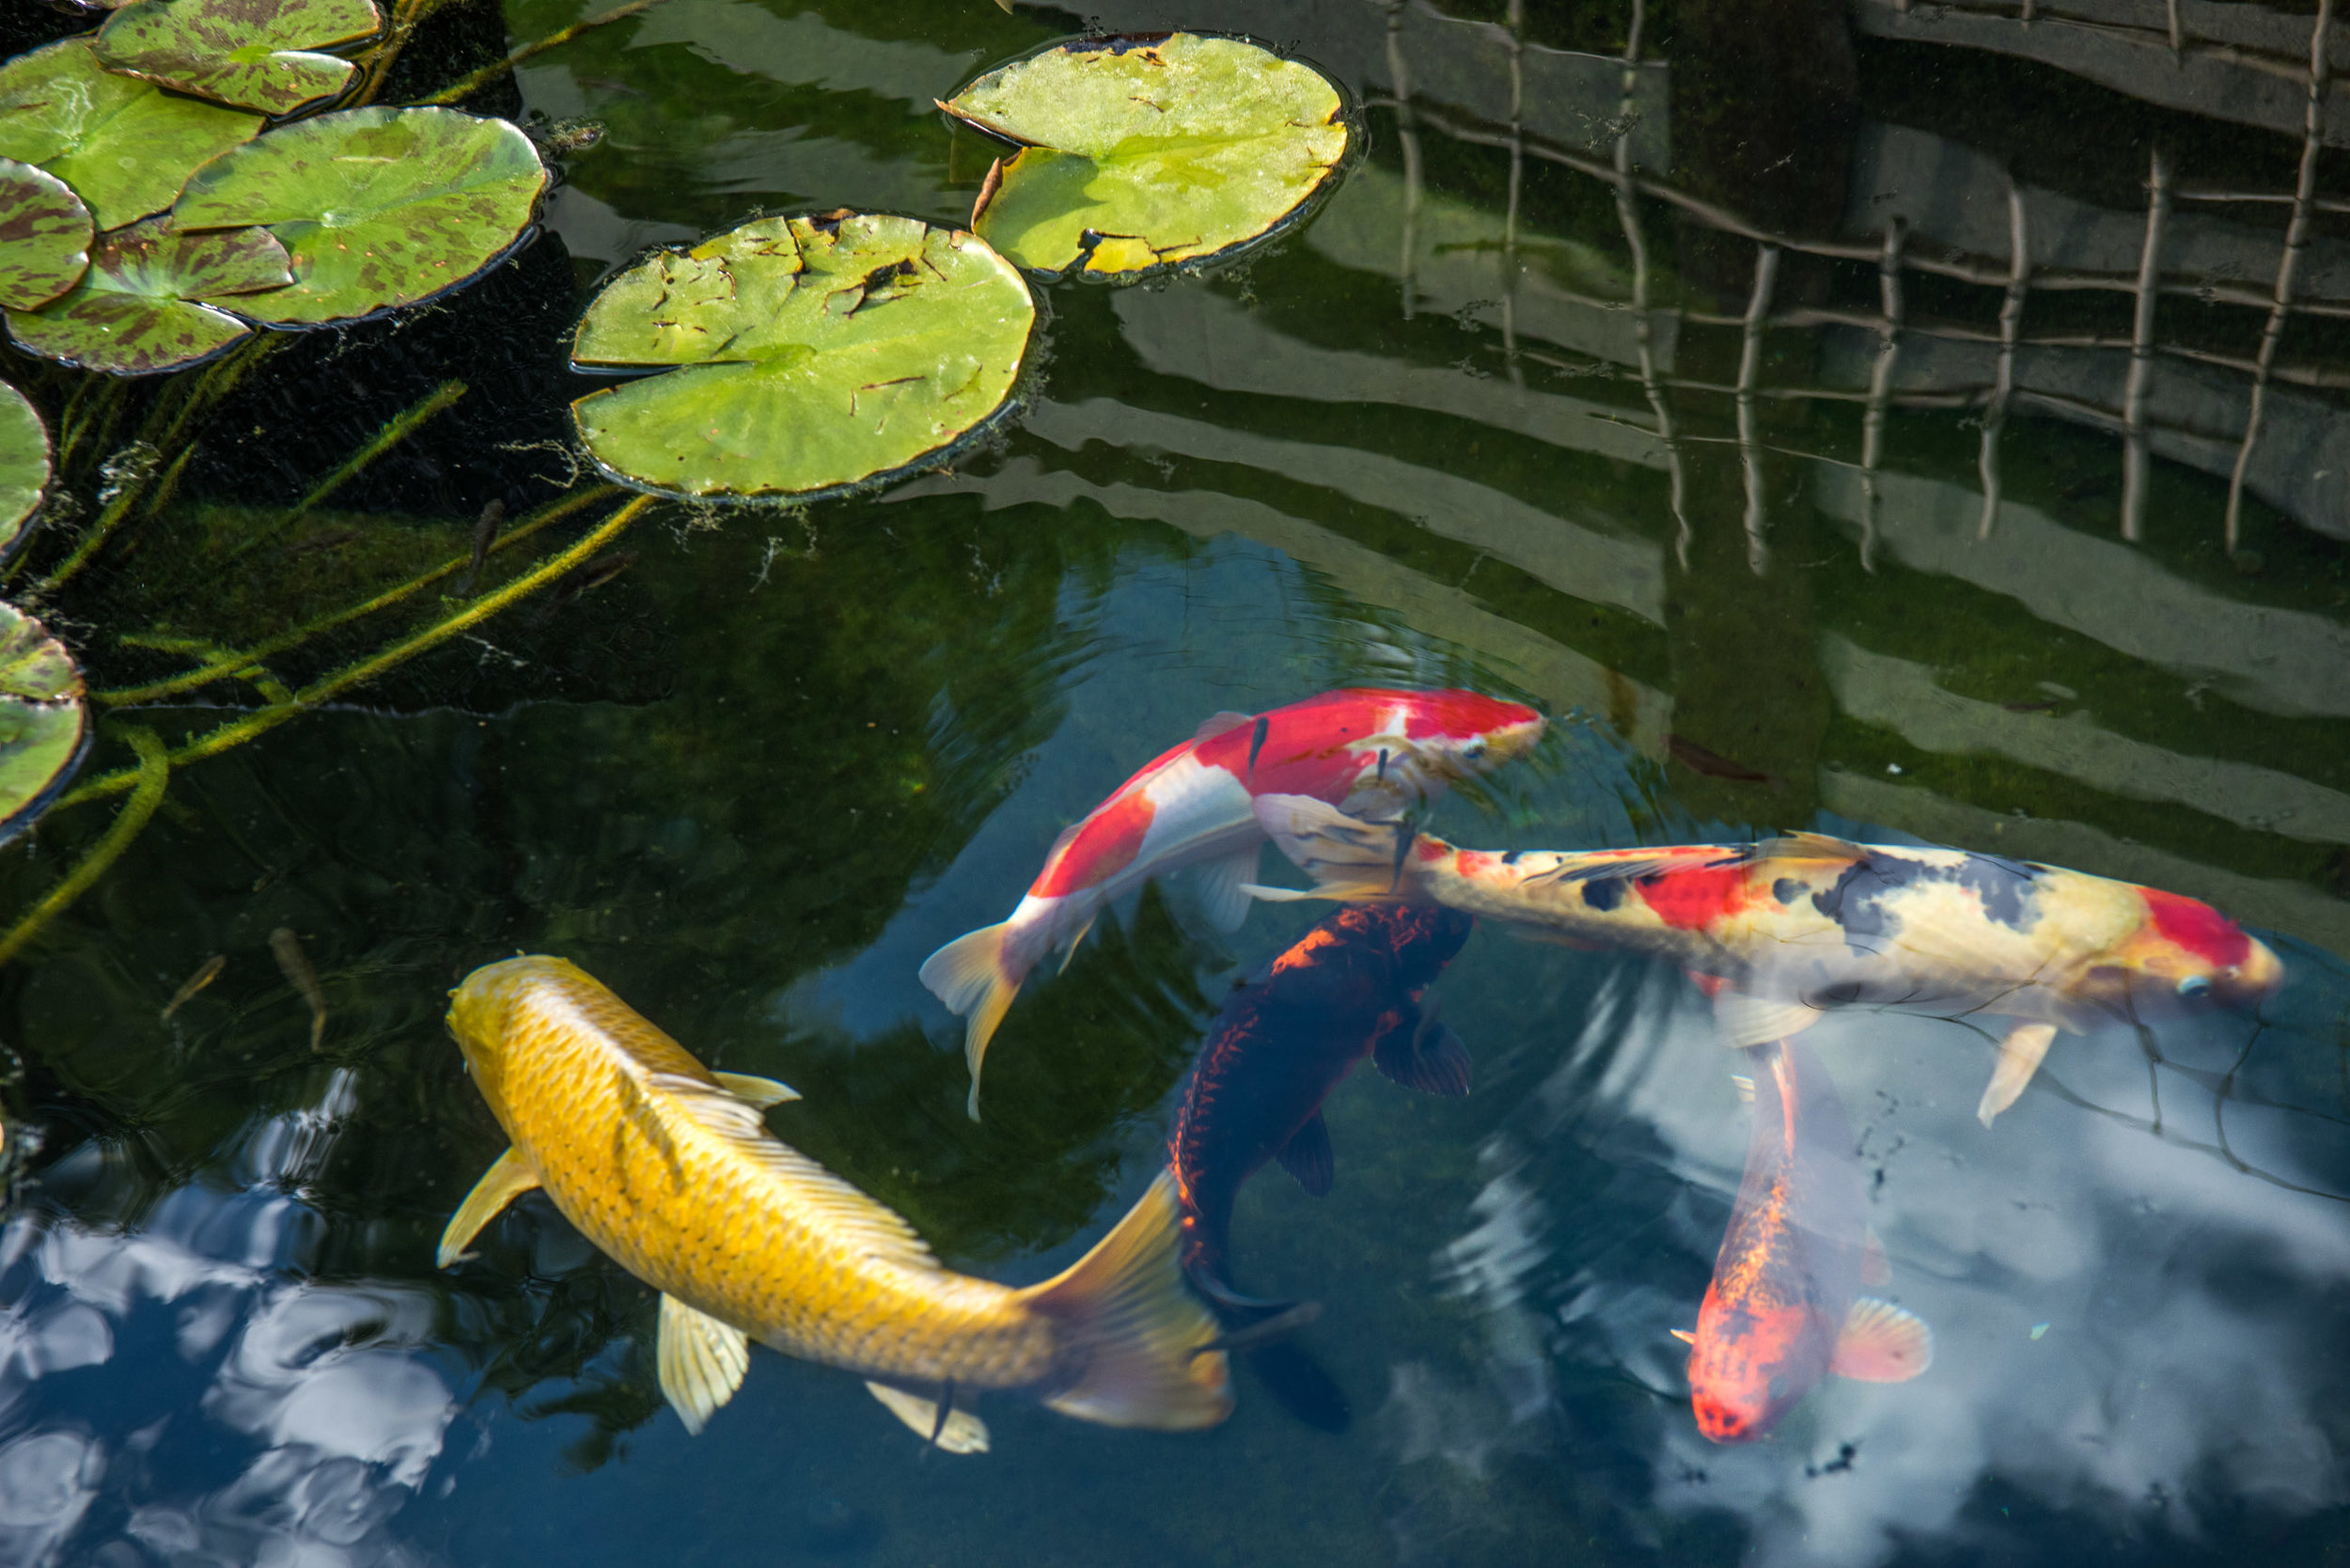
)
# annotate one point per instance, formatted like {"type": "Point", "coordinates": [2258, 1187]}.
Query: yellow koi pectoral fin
{"type": "Point", "coordinates": [509, 1177]}
{"type": "Point", "coordinates": [1882, 1343]}
{"type": "Point", "coordinates": [701, 1361]}
{"type": "Point", "coordinates": [1683, 1335]}
{"type": "Point", "coordinates": [2020, 1055]}
{"type": "Point", "coordinates": [1742, 1020]}
{"type": "Point", "coordinates": [757, 1090]}
{"type": "Point", "coordinates": [1144, 1342]}
{"type": "Point", "coordinates": [967, 973]}
{"type": "Point", "coordinates": [961, 1432]}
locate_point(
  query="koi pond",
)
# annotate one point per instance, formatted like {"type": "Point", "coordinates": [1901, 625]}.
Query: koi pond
{"type": "Point", "coordinates": [1894, 423]}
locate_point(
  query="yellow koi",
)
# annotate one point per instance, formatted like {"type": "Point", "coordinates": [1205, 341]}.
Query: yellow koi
{"type": "Point", "coordinates": [669, 1169]}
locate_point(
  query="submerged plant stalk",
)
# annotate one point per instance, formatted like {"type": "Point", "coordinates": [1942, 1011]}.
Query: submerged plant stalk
{"type": "Point", "coordinates": [145, 783]}
{"type": "Point", "coordinates": [401, 428]}
{"type": "Point", "coordinates": [467, 86]}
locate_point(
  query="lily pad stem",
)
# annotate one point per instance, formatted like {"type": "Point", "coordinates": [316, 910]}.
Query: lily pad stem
{"type": "Point", "coordinates": [401, 428]}
{"type": "Point", "coordinates": [145, 783]}
{"type": "Point", "coordinates": [261, 720]}
{"type": "Point", "coordinates": [228, 664]}
{"type": "Point", "coordinates": [468, 85]}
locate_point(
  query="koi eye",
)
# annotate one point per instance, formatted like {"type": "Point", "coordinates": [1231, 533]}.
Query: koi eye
{"type": "Point", "coordinates": [1475, 749]}
{"type": "Point", "coordinates": [2194, 986]}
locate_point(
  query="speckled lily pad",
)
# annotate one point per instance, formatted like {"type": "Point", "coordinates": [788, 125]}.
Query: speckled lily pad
{"type": "Point", "coordinates": [23, 462]}
{"type": "Point", "coordinates": [42, 723]}
{"type": "Point", "coordinates": [813, 353]}
{"type": "Point", "coordinates": [44, 235]}
{"type": "Point", "coordinates": [138, 311]}
{"type": "Point", "coordinates": [125, 146]}
{"type": "Point", "coordinates": [1138, 154]}
{"type": "Point", "coordinates": [379, 208]}
{"type": "Point", "coordinates": [255, 54]}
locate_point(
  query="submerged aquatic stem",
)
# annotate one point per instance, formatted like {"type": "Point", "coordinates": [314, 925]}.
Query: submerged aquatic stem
{"type": "Point", "coordinates": [145, 781]}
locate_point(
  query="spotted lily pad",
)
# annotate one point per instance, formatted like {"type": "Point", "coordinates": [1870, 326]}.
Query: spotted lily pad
{"type": "Point", "coordinates": [815, 352]}
{"type": "Point", "coordinates": [23, 462]}
{"type": "Point", "coordinates": [379, 208]}
{"type": "Point", "coordinates": [125, 146]}
{"type": "Point", "coordinates": [42, 724]}
{"type": "Point", "coordinates": [255, 54]}
{"type": "Point", "coordinates": [44, 235]}
{"type": "Point", "coordinates": [1143, 153]}
{"type": "Point", "coordinates": [136, 312]}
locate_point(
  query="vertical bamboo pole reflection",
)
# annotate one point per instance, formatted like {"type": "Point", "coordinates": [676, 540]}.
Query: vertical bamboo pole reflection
{"type": "Point", "coordinates": [2143, 351]}
{"type": "Point", "coordinates": [1407, 135]}
{"type": "Point", "coordinates": [2178, 34]}
{"type": "Point", "coordinates": [1517, 182]}
{"type": "Point", "coordinates": [1750, 377]}
{"type": "Point", "coordinates": [2010, 324]}
{"type": "Point", "coordinates": [2296, 238]}
{"type": "Point", "coordinates": [1880, 388]}
{"type": "Point", "coordinates": [1643, 327]}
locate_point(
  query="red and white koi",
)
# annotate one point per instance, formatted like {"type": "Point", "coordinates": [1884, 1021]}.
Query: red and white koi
{"type": "Point", "coordinates": [1784, 1308]}
{"type": "Point", "coordinates": [1780, 931]}
{"type": "Point", "coordinates": [1374, 750]}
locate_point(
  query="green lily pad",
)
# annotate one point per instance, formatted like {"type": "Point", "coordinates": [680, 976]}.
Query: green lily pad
{"type": "Point", "coordinates": [255, 54]}
{"type": "Point", "coordinates": [815, 352]}
{"type": "Point", "coordinates": [1143, 153]}
{"type": "Point", "coordinates": [136, 312]}
{"type": "Point", "coordinates": [125, 146]}
{"type": "Point", "coordinates": [379, 208]}
{"type": "Point", "coordinates": [44, 235]}
{"type": "Point", "coordinates": [23, 462]}
{"type": "Point", "coordinates": [42, 723]}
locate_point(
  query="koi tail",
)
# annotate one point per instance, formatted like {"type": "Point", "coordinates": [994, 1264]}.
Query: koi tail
{"type": "Point", "coordinates": [1144, 1345]}
{"type": "Point", "coordinates": [1256, 1330]}
{"type": "Point", "coordinates": [1351, 860]}
{"type": "Point", "coordinates": [971, 976]}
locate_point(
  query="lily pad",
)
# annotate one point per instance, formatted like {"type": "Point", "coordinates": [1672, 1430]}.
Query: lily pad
{"type": "Point", "coordinates": [1143, 153]}
{"type": "Point", "coordinates": [23, 462]}
{"type": "Point", "coordinates": [815, 352]}
{"type": "Point", "coordinates": [42, 723]}
{"type": "Point", "coordinates": [379, 208]}
{"type": "Point", "coordinates": [125, 146]}
{"type": "Point", "coordinates": [255, 54]}
{"type": "Point", "coordinates": [44, 235]}
{"type": "Point", "coordinates": [136, 312]}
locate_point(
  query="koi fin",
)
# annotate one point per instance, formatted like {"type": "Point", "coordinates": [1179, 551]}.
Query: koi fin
{"type": "Point", "coordinates": [1068, 953]}
{"type": "Point", "coordinates": [1349, 860]}
{"type": "Point", "coordinates": [1223, 888]}
{"type": "Point", "coordinates": [700, 1360]}
{"type": "Point", "coordinates": [1683, 1335]}
{"type": "Point", "coordinates": [1876, 1270]}
{"type": "Point", "coordinates": [1306, 1156]}
{"type": "Point", "coordinates": [751, 1088]}
{"type": "Point", "coordinates": [1217, 723]}
{"type": "Point", "coordinates": [1430, 1059]}
{"type": "Point", "coordinates": [2019, 1059]}
{"type": "Point", "coordinates": [967, 973]}
{"type": "Point", "coordinates": [1143, 1336]}
{"type": "Point", "coordinates": [1816, 847]}
{"type": "Point", "coordinates": [509, 1177]}
{"type": "Point", "coordinates": [1743, 1020]}
{"type": "Point", "coordinates": [960, 1433]}
{"type": "Point", "coordinates": [1882, 1343]}
{"type": "Point", "coordinates": [1745, 1087]}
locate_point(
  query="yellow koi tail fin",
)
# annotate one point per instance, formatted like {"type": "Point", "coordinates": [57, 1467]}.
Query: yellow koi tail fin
{"type": "Point", "coordinates": [1349, 860]}
{"type": "Point", "coordinates": [1143, 1337]}
{"type": "Point", "coordinates": [969, 975]}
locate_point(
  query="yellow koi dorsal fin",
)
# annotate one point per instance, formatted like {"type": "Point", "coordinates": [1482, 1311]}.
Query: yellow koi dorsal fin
{"type": "Point", "coordinates": [1217, 724]}
{"type": "Point", "coordinates": [1882, 1343]}
{"type": "Point", "coordinates": [754, 1089]}
{"type": "Point", "coordinates": [835, 1206]}
{"type": "Point", "coordinates": [700, 1360]}
{"type": "Point", "coordinates": [961, 1432]}
{"type": "Point", "coordinates": [509, 1177]}
{"type": "Point", "coordinates": [1815, 848]}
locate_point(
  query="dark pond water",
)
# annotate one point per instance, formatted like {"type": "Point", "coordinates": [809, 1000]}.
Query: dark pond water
{"type": "Point", "coordinates": [752, 780]}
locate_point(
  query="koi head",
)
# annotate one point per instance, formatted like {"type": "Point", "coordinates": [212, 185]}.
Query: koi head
{"type": "Point", "coordinates": [1462, 733]}
{"type": "Point", "coordinates": [2187, 953]}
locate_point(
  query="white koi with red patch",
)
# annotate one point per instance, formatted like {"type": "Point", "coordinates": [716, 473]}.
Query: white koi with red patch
{"type": "Point", "coordinates": [1375, 751]}
{"type": "Point", "coordinates": [1780, 931]}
